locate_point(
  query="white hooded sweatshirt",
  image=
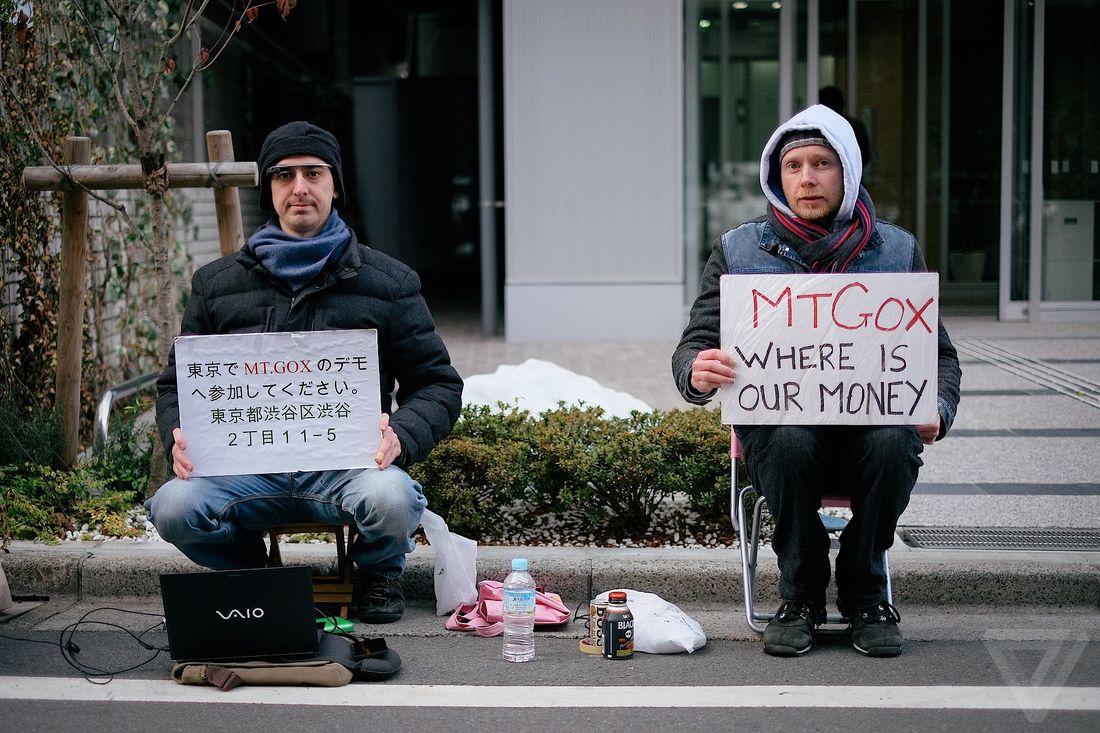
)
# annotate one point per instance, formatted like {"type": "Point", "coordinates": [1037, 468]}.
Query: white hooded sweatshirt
{"type": "Point", "coordinates": [840, 135]}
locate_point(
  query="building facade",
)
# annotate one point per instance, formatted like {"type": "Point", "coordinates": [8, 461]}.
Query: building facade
{"type": "Point", "coordinates": [564, 165]}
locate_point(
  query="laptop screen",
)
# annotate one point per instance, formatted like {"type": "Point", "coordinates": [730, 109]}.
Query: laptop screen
{"type": "Point", "coordinates": [240, 614]}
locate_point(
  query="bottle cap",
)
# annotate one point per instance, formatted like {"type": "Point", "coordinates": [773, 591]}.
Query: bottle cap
{"type": "Point", "coordinates": [519, 563]}
{"type": "Point", "coordinates": [616, 596]}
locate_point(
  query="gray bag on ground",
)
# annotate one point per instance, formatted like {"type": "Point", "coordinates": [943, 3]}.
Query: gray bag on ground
{"type": "Point", "coordinates": [340, 659]}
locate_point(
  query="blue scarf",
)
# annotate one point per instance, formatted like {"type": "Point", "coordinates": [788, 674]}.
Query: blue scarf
{"type": "Point", "coordinates": [295, 260]}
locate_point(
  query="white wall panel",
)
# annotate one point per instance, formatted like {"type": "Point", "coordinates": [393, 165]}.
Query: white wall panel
{"type": "Point", "coordinates": [593, 108]}
{"type": "Point", "coordinates": [593, 163]}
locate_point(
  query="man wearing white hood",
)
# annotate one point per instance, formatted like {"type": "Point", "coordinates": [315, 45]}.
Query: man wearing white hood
{"type": "Point", "coordinates": [819, 219]}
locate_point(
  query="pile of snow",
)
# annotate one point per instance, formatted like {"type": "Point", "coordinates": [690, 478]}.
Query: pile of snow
{"type": "Point", "coordinates": [537, 386]}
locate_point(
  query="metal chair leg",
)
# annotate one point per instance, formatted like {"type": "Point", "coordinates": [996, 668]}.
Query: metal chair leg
{"type": "Point", "coordinates": [749, 537]}
{"type": "Point", "coordinates": [749, 540]}
{"type": "Point", "coordinates": [889, 578]}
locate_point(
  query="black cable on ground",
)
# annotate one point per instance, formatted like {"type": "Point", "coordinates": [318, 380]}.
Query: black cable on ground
{"type": "Point", "coordinates": [70, 649]}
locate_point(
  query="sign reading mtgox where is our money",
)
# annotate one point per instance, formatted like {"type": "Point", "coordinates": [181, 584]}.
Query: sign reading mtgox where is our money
{"type": "Point", "coordinates": [849, 349]}
{"type": "Point", "coordinates": [279, 402]}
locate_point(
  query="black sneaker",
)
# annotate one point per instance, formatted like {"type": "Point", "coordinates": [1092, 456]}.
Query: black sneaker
{"type": "Point", "coordinates": [791, 632]}
{"type": "Point", "coordinates": [381, 600]}
{"type": "Point", "coordinates": [875, 630]}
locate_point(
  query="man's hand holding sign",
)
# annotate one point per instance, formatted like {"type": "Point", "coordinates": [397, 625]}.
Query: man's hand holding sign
{"type": "Point", "coordinates": [826, 350]}
{"type": "Point", "coordinates": [390, 447]}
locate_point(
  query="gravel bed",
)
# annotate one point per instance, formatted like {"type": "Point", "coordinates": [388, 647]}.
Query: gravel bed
{"type": "Point", "coordinates": [674, 524]}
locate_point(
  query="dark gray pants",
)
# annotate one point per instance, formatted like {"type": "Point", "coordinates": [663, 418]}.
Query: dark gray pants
{"type": "Point", "coordinates": [794, 465]}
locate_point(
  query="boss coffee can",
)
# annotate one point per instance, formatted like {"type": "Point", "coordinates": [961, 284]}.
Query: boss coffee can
{"type": "Point", "coordinates": [618, 627]}
{"type": "Point", "coordinates": [596, 611]}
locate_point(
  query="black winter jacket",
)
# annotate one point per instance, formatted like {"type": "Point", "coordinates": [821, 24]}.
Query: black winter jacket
{"type": "Point", "coordinates": [363, 289]}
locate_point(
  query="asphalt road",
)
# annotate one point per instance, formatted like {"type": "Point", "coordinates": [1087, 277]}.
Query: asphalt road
{"type": "Point", "coordinates": [460, 683]}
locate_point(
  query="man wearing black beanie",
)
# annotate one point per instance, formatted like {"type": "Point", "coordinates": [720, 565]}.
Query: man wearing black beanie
{"type": "Point", "coordinates": [304, 270]}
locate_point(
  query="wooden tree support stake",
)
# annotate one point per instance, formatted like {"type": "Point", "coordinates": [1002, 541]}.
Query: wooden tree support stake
{"type": "Point", "coordinates": [222, 174]}
{"type": "Point", "coordinates": [227, 201]}
{"type": "Point", "coordinates": [70, 312]}
{"type": "Point", "coordinates": [180, 175]}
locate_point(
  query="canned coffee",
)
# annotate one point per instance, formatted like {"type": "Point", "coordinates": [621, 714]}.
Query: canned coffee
{"type": "Point", "coordinates": [618, 627]}
{"type": "Point", "coordinates": [596, 611]}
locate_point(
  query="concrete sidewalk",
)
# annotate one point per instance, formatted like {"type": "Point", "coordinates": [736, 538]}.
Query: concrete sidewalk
{"type": "Point", "coordinates": [114, 568]}
{"type": "Point", "coordinates": [1024, 453]}
{"type": "Point", "coordinates": [955, 595]}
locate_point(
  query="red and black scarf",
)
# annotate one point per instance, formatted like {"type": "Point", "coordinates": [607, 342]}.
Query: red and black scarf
{"type": "Point", "coordinates": [824, 250]}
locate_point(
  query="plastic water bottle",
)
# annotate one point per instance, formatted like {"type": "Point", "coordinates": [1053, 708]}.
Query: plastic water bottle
{"type": "Point", "coordinates": [519, 613]}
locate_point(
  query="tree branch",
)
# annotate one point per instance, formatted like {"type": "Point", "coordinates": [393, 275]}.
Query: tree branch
{"type": "Point", "coordinates": [62, 169]}
{"type": "Point", "coordinates": [113, 10]}
{"type": "Point", "coordinates": [199, 65]}
{"type": "Point", "coordinates": [186, 22]}
{"type": "Point", "coordinates": [127, 69]}
{"type": "Point", "coordinates": [92, 31]}
{"type": "Point", "coordinates": [116, 88]}
{"type": "Point", "coordinates": [231, 28]}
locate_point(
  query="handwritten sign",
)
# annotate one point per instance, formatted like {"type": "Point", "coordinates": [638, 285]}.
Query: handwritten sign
{"type": "Point", "coordinates": [279, 402]}
{"type": "Point", "coordinates": [849, 349]}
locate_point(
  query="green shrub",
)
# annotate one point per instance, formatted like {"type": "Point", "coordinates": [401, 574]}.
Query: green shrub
{"type": "Point", "coordinates": [106, 511]}
{"type": "Point", "coordinates": [613, 472]}
{"type": "Point", "coordinates": [122, 463]}
{"type": "Point", "coordinates": [608, 468]}
{"type": "Point", "coordinates": [567, 453]}
{"type": "Point", "coordinates": [29, 433]}
{"type": "Point", "coordinates": [39, 501]}
{"type": "Point", "coordinates": [696, 458]}
{"type": "Point", "coordinates": [24, 518]}
{"type": "Point", "coordinates": [479, 470]}
{"type": "Point", "coordinates": [619, 470]}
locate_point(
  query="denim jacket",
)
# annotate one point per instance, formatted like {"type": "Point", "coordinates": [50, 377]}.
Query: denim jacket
{"type": "Point", "coordinates": [756, 248]}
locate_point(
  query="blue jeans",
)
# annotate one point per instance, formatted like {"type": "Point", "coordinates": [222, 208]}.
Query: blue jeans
{"type": "Point", "coordinates": [219, 521]}
{"type": "Point", "coordinates": [794, 465]}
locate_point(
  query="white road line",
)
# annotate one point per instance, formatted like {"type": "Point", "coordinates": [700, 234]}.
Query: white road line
{"type": "Point", "coordinates": [473, 696]}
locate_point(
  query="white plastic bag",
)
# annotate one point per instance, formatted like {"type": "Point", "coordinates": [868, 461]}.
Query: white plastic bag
{"type": "Point", "coordinates": [660, 627]}
{"type": "Point", "coordinates": [5, 592]}
{"type": "Point", "coordinates": [455, 564]}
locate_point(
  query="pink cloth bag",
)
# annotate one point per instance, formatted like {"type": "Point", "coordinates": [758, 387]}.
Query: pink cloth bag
{"type": "Point", "coordinates": [486, 615]}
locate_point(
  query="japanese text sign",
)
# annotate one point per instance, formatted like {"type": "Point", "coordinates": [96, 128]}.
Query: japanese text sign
{"type": "Point", "coordinates": [279, 402]}
{"type": "Point", "coordinates": [848, 349]}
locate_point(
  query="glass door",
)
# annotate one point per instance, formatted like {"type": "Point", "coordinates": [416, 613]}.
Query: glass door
{"type": "Point", "coordinates": [927, 80]}
{"type": "Point", "coordinates": [1071, 156]}
{"type": "Point", "coordinates": [923, 79]}
{"type": "Point", "coordinates": [732, 96]}
{"type": "Point", "coordinates": [1051, 249]}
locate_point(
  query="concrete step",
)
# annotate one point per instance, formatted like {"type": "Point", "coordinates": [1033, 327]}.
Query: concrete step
{"type": "Point", "coordinates": [992, 579]}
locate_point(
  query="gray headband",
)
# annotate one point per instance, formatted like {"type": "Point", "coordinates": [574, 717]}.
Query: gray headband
{"type": "Point", "coordinates": [801, 138]}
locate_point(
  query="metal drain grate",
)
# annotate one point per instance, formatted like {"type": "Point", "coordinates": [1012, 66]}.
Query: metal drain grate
{"type": "Point", "coordinates": [1000, 538]}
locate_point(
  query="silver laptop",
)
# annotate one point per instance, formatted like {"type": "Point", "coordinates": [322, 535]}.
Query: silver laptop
{"type": "Point", "coordinates": [240, 614]}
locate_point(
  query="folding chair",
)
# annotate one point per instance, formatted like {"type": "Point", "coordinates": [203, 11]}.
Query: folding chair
{"type": "Point", "coordinates": [749, 536]}
{"type": "Point", "coordinates": [336, 589]}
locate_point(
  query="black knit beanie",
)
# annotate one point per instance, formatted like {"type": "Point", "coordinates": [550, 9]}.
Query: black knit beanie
{"type": "Point", "coordinates": [299, 138]}
{"type": "Point", "coordinates": [801, 138]}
